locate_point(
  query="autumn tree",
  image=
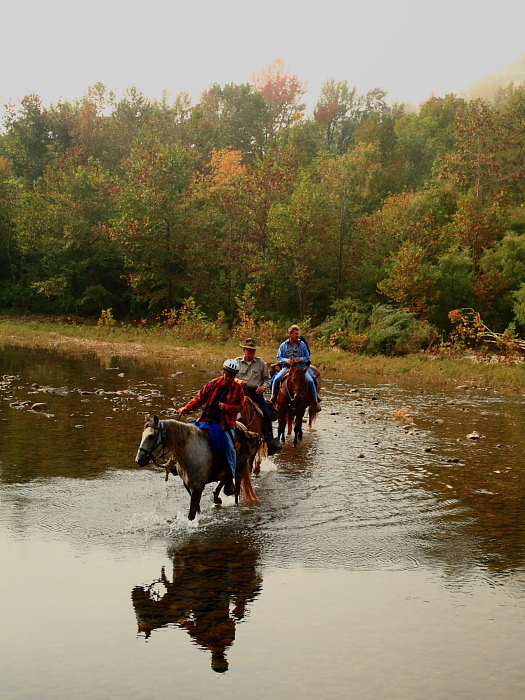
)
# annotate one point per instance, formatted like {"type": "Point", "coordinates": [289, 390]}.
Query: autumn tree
{"type": "Point", "coordinates": [231, 117]}
{"type": "Point", "coordinates": [216, 221]}
{"type": "Point", "coordinates": [411, 280]}
{"type": "Point", "coordinates": [350, 191]}
{"type": "Point", "coordinates": [339, 110]}
{"type": "Point", "coordinates": [149, 225]}
{"type": "Point", "coordinates": [282, 93]}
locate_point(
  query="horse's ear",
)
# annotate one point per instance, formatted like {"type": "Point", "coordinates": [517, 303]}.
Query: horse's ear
{"type": "Point", "coordinates": [156, 420]}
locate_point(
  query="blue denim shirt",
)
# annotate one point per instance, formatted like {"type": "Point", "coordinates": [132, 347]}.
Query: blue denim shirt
{"type": "Point", "coordinates": [287, 350]}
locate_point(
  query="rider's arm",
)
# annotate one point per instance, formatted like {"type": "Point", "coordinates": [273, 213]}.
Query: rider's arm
{"type": "Point", "coordinates": [265, 375]}
{"type": "Point", "coordinates": [283, 353]}
{"type": "Point", "coordinates": [199, 400]}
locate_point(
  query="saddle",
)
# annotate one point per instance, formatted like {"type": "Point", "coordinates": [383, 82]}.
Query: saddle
{"type": "Point", "coordinates": [256, 408]}
{"type": "Point", "coordinates": [246, 443]}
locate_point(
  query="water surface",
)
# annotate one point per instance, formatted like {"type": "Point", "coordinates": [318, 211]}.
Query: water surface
{"type": "Point", "coordinates": [385, 558]}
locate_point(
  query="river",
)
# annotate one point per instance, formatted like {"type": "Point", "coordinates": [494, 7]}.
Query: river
{"type": "Point", "coordinates": [385, 558]}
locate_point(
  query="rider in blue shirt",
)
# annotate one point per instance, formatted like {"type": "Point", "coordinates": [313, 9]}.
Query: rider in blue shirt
{"type": "Point", "coordinates": [294, 350]}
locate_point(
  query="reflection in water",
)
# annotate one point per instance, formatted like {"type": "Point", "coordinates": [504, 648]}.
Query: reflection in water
{"type": "Point", "coordinates": [211, 585]}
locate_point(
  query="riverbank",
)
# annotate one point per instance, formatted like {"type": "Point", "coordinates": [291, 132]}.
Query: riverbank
{"type": "Point", "coordinates": [163, 346]}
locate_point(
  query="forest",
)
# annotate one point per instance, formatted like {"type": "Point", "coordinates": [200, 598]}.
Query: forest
{"type": "Point", "coordinates": [244, 207]}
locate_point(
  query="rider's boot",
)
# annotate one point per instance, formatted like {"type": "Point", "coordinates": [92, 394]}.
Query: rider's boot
{"type": "Point", "coordinates": [229, 486]}
{"type": "Point", "coordinates": [273, 444]}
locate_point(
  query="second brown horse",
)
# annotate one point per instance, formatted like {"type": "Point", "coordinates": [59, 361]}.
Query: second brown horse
{"type": "Point", "coordinates": [293, 399]}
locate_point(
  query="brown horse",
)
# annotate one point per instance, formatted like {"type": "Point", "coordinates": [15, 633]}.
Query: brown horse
{"type": "Point", "coordinates": [292, 401]}
{"type": "Point", "coordinates": [251, 417]}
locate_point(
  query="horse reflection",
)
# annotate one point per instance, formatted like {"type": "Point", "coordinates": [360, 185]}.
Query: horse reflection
{"type": "Point", "coordinates": [211, 587]}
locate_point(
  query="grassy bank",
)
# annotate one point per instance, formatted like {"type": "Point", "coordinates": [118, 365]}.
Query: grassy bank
{"type": "Point", "coordinates": [163, 345]}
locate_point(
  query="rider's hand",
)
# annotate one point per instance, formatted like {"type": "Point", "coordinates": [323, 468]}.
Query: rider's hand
{"type": "Point", "coordinates": [222, 406]}
{"type": "Point", "coordinates": [298, 359]}
{"type": "Point", "coordinates": [260, 390]}
{"type": "Point", "coordinates": [180, 411]}
{"type": "Point", "coordinates": [289, 361]}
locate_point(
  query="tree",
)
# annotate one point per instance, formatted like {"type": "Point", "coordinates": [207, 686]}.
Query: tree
{"type": "Point", "coordinates": [27, 142]}
{"type": "Point", "coordinates": [411, 280]}
{"type": "Point", "coordinates": [60, 231]}
{"type": "Point", "coordinates": [149, 224]}
{"type": "Point", "coordinates": [11, 189]}
{"type": "Point", "coordinates": [217, 219]}
{"type": "Point", "coordinates": [303, 250]}
{"type": "Point", "coordinates": [455, 281]}
{"type": "Point", "coordinates": [475, 225]}
{"type": "Point", "coordinates": [424, 138]}
{"type": "Point", "coordinates": [350, 188]}
{"type": "Point", "coordinates": [339, 110]}
{"type": "Point", "coordinates": [282, 93]}
{"type": "Point", "coordinates": [231, 117]}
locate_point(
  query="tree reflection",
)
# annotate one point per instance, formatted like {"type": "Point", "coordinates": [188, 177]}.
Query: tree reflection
{"type": "Point", "coordinates": [208, 594]}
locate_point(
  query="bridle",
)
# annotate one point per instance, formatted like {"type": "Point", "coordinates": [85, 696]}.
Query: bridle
{"type": "Point", "coordinates": [162, 432]}
{"type": "Point", "coordinates": [295, 394]}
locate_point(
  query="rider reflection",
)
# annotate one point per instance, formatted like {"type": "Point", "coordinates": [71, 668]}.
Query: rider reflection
{"type": "Point", "coordinates": [211, 587]}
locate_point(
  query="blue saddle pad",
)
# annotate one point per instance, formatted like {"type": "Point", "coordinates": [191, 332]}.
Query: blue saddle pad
{"type": "Point", "coordinates": [217, 436]}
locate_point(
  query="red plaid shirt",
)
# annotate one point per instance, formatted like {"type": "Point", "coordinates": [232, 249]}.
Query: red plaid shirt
{"type": "Point", "coordinates": [208, 397]}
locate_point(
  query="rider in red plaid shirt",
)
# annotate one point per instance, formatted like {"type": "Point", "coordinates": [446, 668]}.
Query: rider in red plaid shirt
{"type": "Point", "coordinates": [222, 399]}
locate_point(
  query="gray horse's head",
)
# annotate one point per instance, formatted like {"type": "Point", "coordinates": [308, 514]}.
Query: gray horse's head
{"type": "Point", "coordinates": [152, 443]}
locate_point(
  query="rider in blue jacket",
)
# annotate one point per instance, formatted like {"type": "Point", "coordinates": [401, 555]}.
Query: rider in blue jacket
{"type": "Point", "coordinates": [294, 350]}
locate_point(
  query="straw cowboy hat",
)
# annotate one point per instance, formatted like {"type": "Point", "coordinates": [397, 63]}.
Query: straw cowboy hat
{"type": "Point", "coordinates": [249, 343]}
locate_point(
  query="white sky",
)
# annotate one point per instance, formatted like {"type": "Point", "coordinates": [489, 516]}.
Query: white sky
{"type": "Point", "coordinates": [58, 48]}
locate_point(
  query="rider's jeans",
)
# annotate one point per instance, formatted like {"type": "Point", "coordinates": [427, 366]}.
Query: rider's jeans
{"type": "Point", "coordinates": [230, 452]}
{"type": "Point", "coordinates": [277, 379]}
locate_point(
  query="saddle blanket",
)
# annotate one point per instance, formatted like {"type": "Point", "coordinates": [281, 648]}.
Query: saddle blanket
{"type": "Point", "coordinates": [218, 440]}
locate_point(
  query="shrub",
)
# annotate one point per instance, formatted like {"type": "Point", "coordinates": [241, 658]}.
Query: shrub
{"type": "Point", "coordinates": [397, 332]}
{"type": "Point", "coordinates": [350, 317]}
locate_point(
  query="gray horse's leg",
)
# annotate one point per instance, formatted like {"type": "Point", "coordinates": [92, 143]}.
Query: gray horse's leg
{"type": "Point", "coordinates": [216, 498]}
{"type": "Point", "coordinates": [195, 503]}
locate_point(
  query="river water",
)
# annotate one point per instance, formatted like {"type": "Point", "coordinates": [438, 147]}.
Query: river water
{"type": "Point", "coordinates": [384, 559]}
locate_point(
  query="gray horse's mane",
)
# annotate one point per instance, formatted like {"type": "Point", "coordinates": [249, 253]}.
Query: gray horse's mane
{"type": "Point", "coordinates": [177, 432]}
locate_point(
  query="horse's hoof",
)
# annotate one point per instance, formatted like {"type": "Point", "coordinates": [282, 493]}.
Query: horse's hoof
{"type": "Point", "coordinates": [217, 501]}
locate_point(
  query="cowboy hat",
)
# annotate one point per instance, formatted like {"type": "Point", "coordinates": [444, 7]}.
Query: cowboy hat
{"type": "Point", "coordinates": [249, 343]}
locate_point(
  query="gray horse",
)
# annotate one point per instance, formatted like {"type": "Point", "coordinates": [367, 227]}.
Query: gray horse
{"type": "Point", "coordinates": [197, 465]}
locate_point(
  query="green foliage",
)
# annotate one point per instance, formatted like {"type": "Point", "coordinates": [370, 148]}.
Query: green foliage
{"type": "Point", "coordinates": [258, 212]}
{"type": "Point", "coordinates": [397, 332]}
{"type": "Point", "coordinates": [519, 305]}
{"type": "Point", "coordinates": [349, 315]}
{"type": "Point", "coordinates": [454, 281]}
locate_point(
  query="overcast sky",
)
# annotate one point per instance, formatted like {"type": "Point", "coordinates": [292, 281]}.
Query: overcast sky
{"type": "Point", "coordinates": [58, 48]}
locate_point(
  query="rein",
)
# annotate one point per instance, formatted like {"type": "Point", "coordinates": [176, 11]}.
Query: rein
{"type": "Point", "coordinates": [293, 397]}
{"type": "Point", "coordinates": [162, 431]}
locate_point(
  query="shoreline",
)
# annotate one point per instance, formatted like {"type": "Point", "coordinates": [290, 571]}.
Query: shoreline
{"type": "Point", "coordinates": [505, 375]}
